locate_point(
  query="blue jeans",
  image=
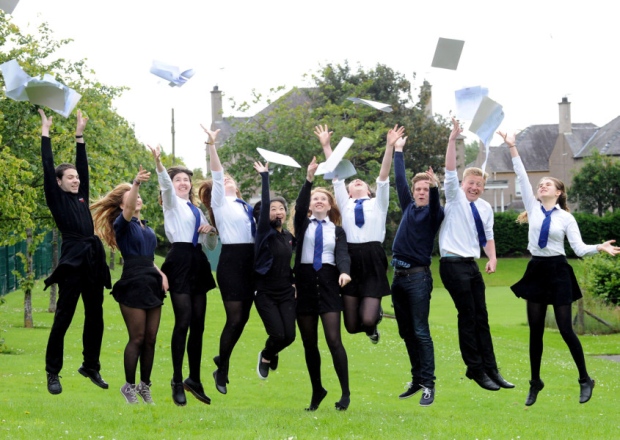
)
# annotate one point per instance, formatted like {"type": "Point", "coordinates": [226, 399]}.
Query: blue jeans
{"type": "Point", "coordinates": [411, 295]}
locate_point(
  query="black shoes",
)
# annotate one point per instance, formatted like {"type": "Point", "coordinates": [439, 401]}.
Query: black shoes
{"type": "Point", "coordinates": [496, 377]}
{"type": "Point", "coordinates": [178, 393]}
{"type": "Point", "coordinates": [273, 366]}
{"type": "Point", "coordinates": [53, 383]}
{"type": "Point", "coordinates": [535, 387]}
{"type": "Point", "coordinates": [262, 368]}
{"type": "Point", "coordinates": [482, 379]}
{"type": "Point", "coordinates": [197, 390]}
{"type": "Point", "coordinates": [317, 399]}
{"type": "Point", "coordinates": [413, 389]}
{"type": "Point", "coordinates": [587, 385]}
{"type": "Point", "coordinates": [343, 403]}
{"type": "Point", "coordinates": [428, 396]}
{"type": "Point", "coordinates": [220, 381]}
{"type": "Point", "coordinates": [94, 376]}
{"type": "Point", "coordinates": [374, 338]}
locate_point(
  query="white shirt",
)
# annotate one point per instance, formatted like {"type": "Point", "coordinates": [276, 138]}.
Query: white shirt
{"type": "Point", "coordinates": [179, 220]}
{"type": "Point", "coordinates": [231, 218]}
{"type": "Point", "coordinates": [375, 213]}
{"type": "Point", "coordinates": [458, 234]}
{"type": "Point", "coordinates": [563, 224]}
{"type": "Point", "coordinates": [329, 243]}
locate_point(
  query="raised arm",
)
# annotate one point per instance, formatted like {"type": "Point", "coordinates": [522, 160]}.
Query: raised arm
{"type": "Point", "coordinates": [129, 207]}
{"type": "Point", "coordinates": [394, 135]}
{"type": "Point", "coordinates": [157, 157]}
{"type": "Point", "coordinates": [81, 161]}
{"type": "Point", "coordinates": [451, 151]}
{"type": "Point", "coordinates": [263, 219]}
{"type": "Point", "coordinates": [303, 200]}
{"type": "Point", "coordinates": [402, 187]}
{"type": "Point", "coordinates": [511, 141]}
{"type": "Point", "coordinates": [216, 165]}
{"type": "Point", "coordinates": [325, 136]}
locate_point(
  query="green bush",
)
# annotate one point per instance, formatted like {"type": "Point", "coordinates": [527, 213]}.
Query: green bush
{"type": "Point", "coordinates": [510, 236]}
{"type": "Point", "coordinates": [601, 277]}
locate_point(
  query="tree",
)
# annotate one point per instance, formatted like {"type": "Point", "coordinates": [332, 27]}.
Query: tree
{"type": "Point", "coordinates": [471, 152]}
{"type": "Point", "coordinates": [595, 186]}
{"type": "Point", "coordinates": [286, 126]}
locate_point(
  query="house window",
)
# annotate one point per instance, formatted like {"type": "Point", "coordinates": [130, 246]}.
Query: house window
{"type": "Point", "coordinates": [517, 188]}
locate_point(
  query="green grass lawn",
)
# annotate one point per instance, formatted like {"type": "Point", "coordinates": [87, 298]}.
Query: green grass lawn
{"type": "Point", "coordinates": [273, 409]}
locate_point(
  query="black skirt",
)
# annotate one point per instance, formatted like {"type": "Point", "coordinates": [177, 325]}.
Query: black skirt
{"type": "Point", "coordinates": [140, 284]}
{"type": "Point", "coordinates": [548, 280]}
{"type": "Point", "coordinates": [235, 272]}
{"type": "Point", "coordinates": [188, 270]}
{"type": "Point", "coordinates": [368, 271]}
{"type": "Point", "coordinates": [318, 292]}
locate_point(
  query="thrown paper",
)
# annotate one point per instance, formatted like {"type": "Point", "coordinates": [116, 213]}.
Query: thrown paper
{"type": "Point", "coordinates": [344, 170]}
{"type": "Point", "coordinates": [468, 100]}
{"type": "Point", "coordinates": [337, 155]}
{"type": "Point", "coordinates": [447, 53]}
{"type": "Point", "coordinates": [374, 104]}
{"type": "Point", "coordinates": [171, 73]}
{"type": "Point", "coordinates": [278, 158]}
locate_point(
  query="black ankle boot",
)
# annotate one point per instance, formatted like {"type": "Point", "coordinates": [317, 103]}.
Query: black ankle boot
{"type": "Point", "coordinates": [587, 385]}
{"type": "Point", "coordinates": [535, 387]}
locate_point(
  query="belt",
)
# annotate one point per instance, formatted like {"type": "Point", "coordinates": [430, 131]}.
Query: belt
{"type": "Point", "coordinates": [456, 259]}
{"type": "Point", "coordinates": [415, 269]}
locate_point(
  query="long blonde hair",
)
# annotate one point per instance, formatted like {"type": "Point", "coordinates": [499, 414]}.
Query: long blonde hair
{"type": "Point", "coordinates": [106, 210]}
{"type": "Point", "coordinates": [559, 185]}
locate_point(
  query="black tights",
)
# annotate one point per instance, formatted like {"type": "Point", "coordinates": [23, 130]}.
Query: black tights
{"type": "Point", "coordinates": [361, 314]}
{"type": "Point", "coordinates": [536, 317]}
{"type": "Point", "coordinates": [237, 315]}
{"type": "Point", "coordinates": [308, 328]}
{"type": "Point", "coordinates": [142, 326]}
{"type": "Point", "coordinates": [189, 315]}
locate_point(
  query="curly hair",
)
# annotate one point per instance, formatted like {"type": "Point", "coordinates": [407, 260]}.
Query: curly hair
{"type": "Point", "coordinates": [559, 185]}
{"type": "Point", "coordinates": [106, 210]}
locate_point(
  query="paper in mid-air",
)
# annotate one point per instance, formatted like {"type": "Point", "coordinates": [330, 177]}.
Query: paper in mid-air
{"type": "Point", "coordinates": [8, 6]}
{"type": "Point", "coordinates": [171, 73]}
{"type": "Point", "coordinates": [337, 155]}
{"type": "Point", "coordinates": [374, 104]}
{"type": "Point", "coordinates": [486, 121]}
{"type": "Point", "coordinates": [281, 159]}
{"type": "Point", "coordinates": [468, 100]}
{"type": "Point", "coordinates": [344, 170]}
{"type": "Point", "coordinates": [447, 53]}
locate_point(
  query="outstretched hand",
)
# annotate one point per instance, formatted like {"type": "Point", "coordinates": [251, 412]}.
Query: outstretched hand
{"type": "Point", "coordinates": [46, 123]}
{"type": "Point", "coordinates": [324, 135]}
{"type": "Point", "coordinates": [156, 152]}
{"type": "Point", "coordinates": [143, 175]}
{"type": "Point", "coordinates": [609, 248]}
{"type": "Point", "coordinates": [456, 129]}
{"type": "Point", "coordinates": [212, 134]}
{"type": "Point", "coordinates": [260, 168]}
{"type": "Point", "coordinates": [509, 139]}
{"type": "Point", "coordinates": [395, 135]}
{"type": "Point", "coordinates": [434, 181]}
{"type": "Point", "coordinates": [81, 123]}
{"type": "Point", "coordinates": [311, 170]}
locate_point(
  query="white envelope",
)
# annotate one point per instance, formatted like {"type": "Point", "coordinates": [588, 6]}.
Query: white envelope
{"type": "Point", "coordinates": [171, 73]}
{"type": "Point", "coordinates": [337, 155]}
{"type": "Point", "coordinates": [344, 170]}
{"type": "Point", "coordinates": [8, 6]}
{"type": "Point", "coordinates": [278, 158]}
{"type": "Point", "coordinates": [447, 53]}
{"type": "Point", "coordinates": [374, 104]}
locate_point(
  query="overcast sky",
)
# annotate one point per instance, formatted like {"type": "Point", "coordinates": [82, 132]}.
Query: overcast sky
{"type": "Point", "coordinates": [528, 57]}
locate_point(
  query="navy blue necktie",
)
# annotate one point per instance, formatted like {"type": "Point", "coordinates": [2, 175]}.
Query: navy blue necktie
{"type": "Point", "coordinates": [482, 238]}
{"type": "Point", "coordinates": [359, 212]}
{"type": "Point", "coordinates": [197, 215]}
{"type": "Point", "coordinates": [544, 231]}
{"type": "Point", "coordinates": [317, 261]}
{"type": "Point", "coordinates": [250, 212]}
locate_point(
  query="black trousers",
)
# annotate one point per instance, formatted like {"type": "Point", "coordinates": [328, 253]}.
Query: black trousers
{"type": "Point", "coordinates": [69, 291]}
{"type": "Point", "coordinates": [463, 280]}
{"type": "Point", "coordinates": [277, 310]}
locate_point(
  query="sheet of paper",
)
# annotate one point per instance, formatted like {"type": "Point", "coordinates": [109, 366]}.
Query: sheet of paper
{"type": "Point", "coordinates": [8, 6]}
{"type": "Point", "coordinates": [344, 170]}
{"type": "Point", "coordinates": [47, 93]}
{"type": "Point", "coordinates": [374, 104]}
{"type": "Point", "coordinates": [468, 100]}
{"type": "Point", "coordinates": [486, 121]}
{"type": "Point", "coordinates": [171, 73]}
{"type": "Point", "coordinates": [15, 80]}
{"type": "Point", "coordinates": [278, 158]}
{"type": "Point", "coordinates": [337, 155]}
{"type": "Point", "coordinates": [447, 53]}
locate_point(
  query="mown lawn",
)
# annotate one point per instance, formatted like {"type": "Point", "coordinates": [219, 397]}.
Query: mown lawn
{"type": "Point", "coordinates": [273, 409]}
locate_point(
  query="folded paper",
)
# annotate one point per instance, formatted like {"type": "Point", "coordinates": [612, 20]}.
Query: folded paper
{"type": "Point", "coordinates": [344, 170]}
{"type": "Point", "coordinates": [337, 155]}
{"type": "Point", "coordinates": [374, 104]}
{"type": "Point", "coordinates": [171, 73]}
{"type": "Point", "coordinates": [281, 159]}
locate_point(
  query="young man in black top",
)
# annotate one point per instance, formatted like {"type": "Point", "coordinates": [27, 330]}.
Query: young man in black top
{"type": "Point", "coordinates": [82, 268]}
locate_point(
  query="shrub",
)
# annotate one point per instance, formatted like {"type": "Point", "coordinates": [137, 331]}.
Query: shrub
{"type": "Point", "coordinates": [601, 277]}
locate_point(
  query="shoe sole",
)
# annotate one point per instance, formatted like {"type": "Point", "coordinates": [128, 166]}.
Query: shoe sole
{"type": "Point", "coordinates": [217, 387]}
{"type": "Point", "coordinates": [104, 385]}
{"type": "Point", "coordinates": [54, 392]}
{"type": "Point", "coordinates": [202, 399]}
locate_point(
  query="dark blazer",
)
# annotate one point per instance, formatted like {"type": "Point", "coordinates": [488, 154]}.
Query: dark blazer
{"type": "Point", "coordinates": [301, 222]}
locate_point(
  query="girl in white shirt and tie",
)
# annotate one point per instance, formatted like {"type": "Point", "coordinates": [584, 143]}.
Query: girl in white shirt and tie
{"type": "Point", "coordinates": [549, 279]}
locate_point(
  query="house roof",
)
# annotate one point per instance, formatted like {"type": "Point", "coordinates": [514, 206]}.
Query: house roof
{"type": "Point", "coordinates": [606, 140]}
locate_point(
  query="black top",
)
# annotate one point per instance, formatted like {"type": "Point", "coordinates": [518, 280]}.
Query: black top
{"type": "Point", "coordinates": [81, 248]}
{"type": "Point", "coordinates": [273, 250]}
{"type": "Point", "coordinates": [415, 236]}
{"type": "Point", "coordinates": [134, 238]}
{"type": "Point", "coordinates": [301, 222]}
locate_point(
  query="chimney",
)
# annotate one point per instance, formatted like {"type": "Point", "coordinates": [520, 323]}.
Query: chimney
{"type": "Point", "coordinates": [426, 96]}
{"type": "Point", "coordinates": [216, 108]}
{"type": "Point", "coordinates": [566, 125]}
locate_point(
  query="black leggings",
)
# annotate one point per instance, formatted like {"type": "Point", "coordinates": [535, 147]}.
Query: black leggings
{"type": "Point", "coordinates": [142, 326]}
{"type": "Point", "coordinates": [361, 314]}
{"type": "Point", "coordinates": [536, 316]}
{"type": "Point", "coordinates": [237, 315]}
{"type": "Point", "coordinates": [308, 329]}
{"type": "Point", "coordinates": [189, 315]}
